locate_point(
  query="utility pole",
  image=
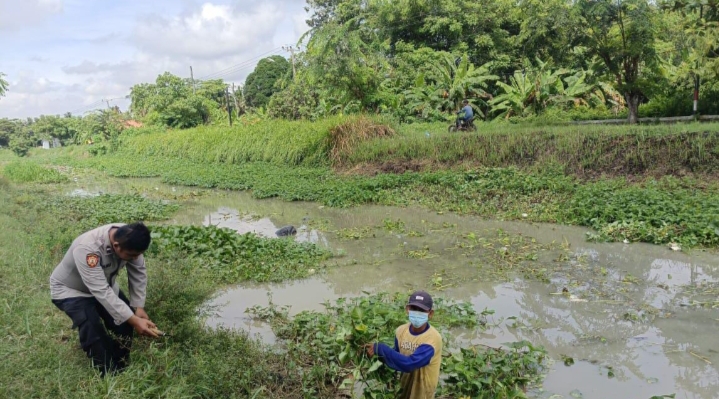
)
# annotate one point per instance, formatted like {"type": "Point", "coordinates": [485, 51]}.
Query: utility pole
{"type": "Point", "coordinates": [234, 97]}
{"type": "Point", "coordinates": [229, 107]}
{"type": "Point", "coordinates": [292, 50]}
{"type": "Point", "coordinates": [192, 77]}
{"type": "Point", "coordinates": [697, 81]}
{"type": "Point", "coordinates": [108, 103]}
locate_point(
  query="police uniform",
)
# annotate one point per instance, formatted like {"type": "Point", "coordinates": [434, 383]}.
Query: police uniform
{"type": "Point", "coordinates": [84, 286]}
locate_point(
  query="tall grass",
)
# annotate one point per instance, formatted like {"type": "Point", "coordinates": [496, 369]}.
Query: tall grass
{"type": "Point", "coordinates": [31, 172]}
{"type": "Point", "coordinates": [352, 141]}
{"type": "Point", "coordinates": [658, 150]}
{"type": "Point", "coordinates": [280, 142]}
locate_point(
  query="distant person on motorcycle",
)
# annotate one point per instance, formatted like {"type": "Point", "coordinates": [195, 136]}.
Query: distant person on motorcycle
{"type": "Point", "coordinates": [468, 114]}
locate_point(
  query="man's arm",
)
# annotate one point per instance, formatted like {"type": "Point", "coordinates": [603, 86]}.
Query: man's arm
{"type": "Point", "coordinates": [405, 364]}
{"type": "Point", "coordinates": [137, 282]}
{"type": "Point", "coordinates": [96, 282]}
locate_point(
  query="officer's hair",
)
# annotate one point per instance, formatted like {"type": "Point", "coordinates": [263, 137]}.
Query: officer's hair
{"type": "Point", "coordinates": [133, 237]}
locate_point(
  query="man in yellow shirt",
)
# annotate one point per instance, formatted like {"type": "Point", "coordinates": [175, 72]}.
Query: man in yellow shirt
{"type": "Point", "coordinates": [417, 352]}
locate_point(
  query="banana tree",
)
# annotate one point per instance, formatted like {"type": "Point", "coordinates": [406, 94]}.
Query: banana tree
{"type": "Point", "coordinates": [574, 90]}
{"type": "Point", "coordinates": [459, 81]}
{"type": "Point", "coordinates": [530, 92]}
{"type": "Point", "coordinates": [424, 100]}
{"type": "Point", "coordinates": [516, 97]}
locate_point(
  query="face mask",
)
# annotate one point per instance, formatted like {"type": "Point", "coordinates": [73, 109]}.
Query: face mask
{"type": "Point", "coordinates": [418, 319]}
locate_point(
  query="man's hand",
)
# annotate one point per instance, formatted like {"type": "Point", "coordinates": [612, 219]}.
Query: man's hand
{"type": "Point", "coordinates": [143, 326]}
{"type": "Point", "coordinates": [369, 348]}
{"type": "Point", "coordinates": [140, 312]}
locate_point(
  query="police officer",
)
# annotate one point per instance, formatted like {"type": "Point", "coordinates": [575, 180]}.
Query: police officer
{"type": "Point", "coordinates": [83, 286]}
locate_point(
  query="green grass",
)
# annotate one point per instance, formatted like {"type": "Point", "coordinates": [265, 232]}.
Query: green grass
{"type": "Point", "coordinates": [31, 172]}
{"type": "Point", "coordinates": [585, 151]}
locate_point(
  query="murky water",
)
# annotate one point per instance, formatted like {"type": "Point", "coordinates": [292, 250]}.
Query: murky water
{"type": "Point", "coordinates": [628, 307]}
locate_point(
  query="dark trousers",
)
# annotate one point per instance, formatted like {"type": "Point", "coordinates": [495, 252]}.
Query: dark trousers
{"type": "Point", "coordinates": [464, 120]}
{"type": "Point", "coordinates": [92, 320]}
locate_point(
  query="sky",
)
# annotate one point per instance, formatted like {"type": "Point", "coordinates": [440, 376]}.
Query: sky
{"type": "Point", "coordinates": [71, 55]}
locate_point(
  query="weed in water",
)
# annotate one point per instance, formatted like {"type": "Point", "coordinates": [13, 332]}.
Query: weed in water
{"type": "Point", "coordinates": [108, 208]}
{"type": "Point", "coordinates": [31, 172]}
{"type": "Point", "coordinates": [355, 233]}
{"type": "Point", "coordinates": [327, 348]}
{"type": "Point", "coordinates": [233, 257]}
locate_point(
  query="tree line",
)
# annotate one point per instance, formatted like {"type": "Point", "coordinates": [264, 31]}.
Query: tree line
{"type": "Point", "coordinates": [416, 60]}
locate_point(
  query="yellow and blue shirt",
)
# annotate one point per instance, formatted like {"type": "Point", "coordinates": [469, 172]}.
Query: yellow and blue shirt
{"type": "Point", "coordinates": [418, 357]}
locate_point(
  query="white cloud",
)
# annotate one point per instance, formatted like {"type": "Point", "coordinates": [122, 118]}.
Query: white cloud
{"type": "Point", "coordinates": [19, 14]}
{"type": "Point", "coordinates": [89, 68]}
{"type": "Point", "coordinates": [212, 31]}
{"type": "Point", "coordinates": [36, 86]}
{"type": "Point", "coordinates": [65, 72]}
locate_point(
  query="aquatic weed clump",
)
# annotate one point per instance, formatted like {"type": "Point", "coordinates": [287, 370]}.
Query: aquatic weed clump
{"type": "Point", "coordinates": [90, 212]}
{"type": "Point", "coordinates": [325, 349]}
{"type": "Point", "coordinates": [233, 257]}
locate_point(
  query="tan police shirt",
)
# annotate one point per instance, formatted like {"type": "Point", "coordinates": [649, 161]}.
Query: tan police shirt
{"type": "Point", "coordinates": [421, 383]}
{"type": "Point", "coordinates": [90, 268]}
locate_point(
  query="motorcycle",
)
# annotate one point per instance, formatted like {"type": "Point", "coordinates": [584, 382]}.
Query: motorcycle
{"type": "Point", "coordinates": [463, 126]}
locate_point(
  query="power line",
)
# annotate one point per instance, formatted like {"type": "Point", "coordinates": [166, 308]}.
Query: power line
{"type": "Point", "coordinates": [241, 65]}
{"type": "Point", "coordinates": [87, 107]}
{"type": "Point", "coordinates": [237, 68]}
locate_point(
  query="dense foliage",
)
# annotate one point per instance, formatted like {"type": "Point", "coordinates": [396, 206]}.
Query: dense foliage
{"type": "Point", "coordinates": [416, 60]}
{"type": "Point", "coordinates": [260, 85]}
{"type": "Point", "coordinates": [100, 128]}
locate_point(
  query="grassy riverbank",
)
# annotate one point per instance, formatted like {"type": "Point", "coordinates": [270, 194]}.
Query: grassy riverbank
{"type": "Point", "coordinates": [367, 146]}
{"type": "Point", "coordinates": [654, 184]}
{"type": "Point", "coordinates": [659, 211]}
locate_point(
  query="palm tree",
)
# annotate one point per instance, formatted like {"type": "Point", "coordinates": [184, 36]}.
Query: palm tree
{"type": "Point", "coordinates": [3, 85]}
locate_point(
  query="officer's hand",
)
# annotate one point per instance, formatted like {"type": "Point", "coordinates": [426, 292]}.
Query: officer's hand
{"type": "Point", "coordinates": [143, 326]}
{"type": "Point", "coordinates": [140, 312]}
{"type": "Point", "coordinates": [370, 349]}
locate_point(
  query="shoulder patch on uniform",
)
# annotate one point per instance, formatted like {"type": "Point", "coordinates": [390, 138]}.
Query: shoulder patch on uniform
{"type": "Point", "coordinates": [92, 260]}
